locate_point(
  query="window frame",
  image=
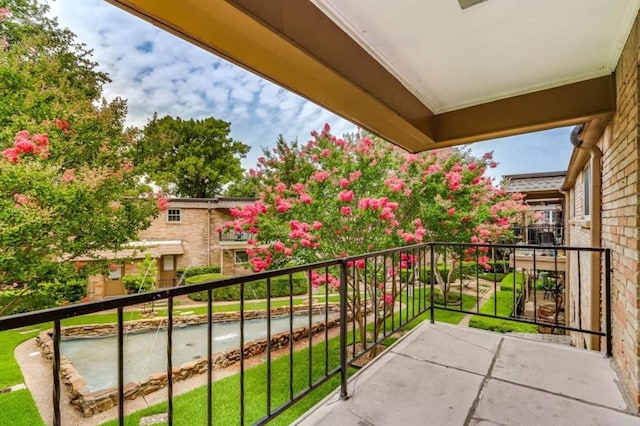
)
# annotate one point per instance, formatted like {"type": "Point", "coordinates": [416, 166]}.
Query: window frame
{"type": "Point", "coordinates": [235, 257]}
{"type": "Point", "coordinates": [174, 215]}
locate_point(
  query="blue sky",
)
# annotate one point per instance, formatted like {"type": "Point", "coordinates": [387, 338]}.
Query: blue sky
{"type": "Point", "coordinates": [158, 72]}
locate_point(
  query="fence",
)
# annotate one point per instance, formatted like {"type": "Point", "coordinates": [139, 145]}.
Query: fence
{"type": "Point", "coordinates": [378, 293]}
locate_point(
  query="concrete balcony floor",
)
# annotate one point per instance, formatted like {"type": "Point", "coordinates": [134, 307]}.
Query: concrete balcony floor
{"type": "Point", "coordinates": [447, 375]}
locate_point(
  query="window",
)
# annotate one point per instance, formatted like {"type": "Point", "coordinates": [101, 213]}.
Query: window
{"type": "Point", "coordinates": [167, 263]}
{"type": "Point", "coordinates": [173, 215]}
{"type": "Point", "coordinates": [586, 188]}
{"type": "Point", "coordinates": [115, 271]}
{"type": "Point", "coordinates": [240, 256]}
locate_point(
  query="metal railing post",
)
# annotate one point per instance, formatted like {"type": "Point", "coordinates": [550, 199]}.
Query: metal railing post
{"type": "Point", "coordinates": [343, 330]}
{"type": "Point", "coordinates": [432, 286]}
{"type": "Point", "coordinates": [607, 290]}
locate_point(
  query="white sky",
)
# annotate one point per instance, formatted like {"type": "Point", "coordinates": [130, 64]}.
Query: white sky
{"type": "Point", "coordinates": [158, 72]}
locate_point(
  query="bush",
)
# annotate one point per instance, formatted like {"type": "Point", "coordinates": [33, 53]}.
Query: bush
{"type": "Point", "coordinates": [468, 269]}
{"type": "Point", "coordinates": [252, 290]}
{"type": "Point", "coordinates": [184, 273]}
{"type": "Point", "coordinates": [137, 283]}
{"type": "Point", "coordinates": [42, 296]}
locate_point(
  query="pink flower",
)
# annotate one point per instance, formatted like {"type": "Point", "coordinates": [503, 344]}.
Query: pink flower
{"type": "Point", "coordinates": [343, 183]}
{"type": "Point", "coordinates": [493, 164]}
{"type": "Point", "coordinates": [472, 166]}
{"type": "Point", "coordinates": [162, 202]}
{"type": "Point", "coordinates": [24, 145]}
{"type": "Point", "coordinates": [305, 198]}
{"type": "Point", "coordinates": [355, 176]}
{"type": "Point", "coordinates": [408, 238]}
{"type": "Point", "coordinates": [317, 225]}
{"type": "Point", "coordinates": [281, 187]}
{"type": "Point", "coordinates": [475, 240]}
{"type": "Point", "coordinates": [345, 210]}
{"type": "Point", "coordinates": [386, 214]}
{"type": "Point", "coordinates": [345, 196]}
{"type": "Point", "coordinates": [487, 156]}
{"type": "Point", "coordinates": [325, 153]}
{"type": "Point", "coordinates": [113, 267]}
{"type": "Point", "coordinates": [11, 155]}
{"type": "Point", "coordinates": [360, 263]}
{"type": "Point", "coordinates": [387, 298]}
{"type": "Point", "coordinates": [279, 246]}
{"type": "Point", "coordinates": [4, 13]}
{"type": "Point", "coordinates": [69, 175]}
{"type": "Point", "coordinates": [41, 139]}
{"type": "Point", "coordinates": [283, 206]}
{"type": "Point", "coordinates": [451, 211]}
{"type": "Point", "coordinates": [288, 251]}
{"type": "Point", "coordinates": [20, 199]}
{"type": "Point", "coordinates": [320, 176]}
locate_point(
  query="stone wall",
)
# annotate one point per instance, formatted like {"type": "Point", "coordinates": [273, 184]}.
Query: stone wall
{"type": "Point", "coordinates": [90, 403]}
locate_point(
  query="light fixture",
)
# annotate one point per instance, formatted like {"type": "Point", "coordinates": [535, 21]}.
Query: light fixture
{"type": "Point", "coordinates": [465, 4]}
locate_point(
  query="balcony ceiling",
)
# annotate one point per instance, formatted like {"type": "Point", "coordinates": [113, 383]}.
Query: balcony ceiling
{"type": "Point", "coordinates": [422, 73]}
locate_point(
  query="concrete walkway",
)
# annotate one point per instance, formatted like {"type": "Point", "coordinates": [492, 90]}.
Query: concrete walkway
{"type": "Point", "coordinates": [450, 375]}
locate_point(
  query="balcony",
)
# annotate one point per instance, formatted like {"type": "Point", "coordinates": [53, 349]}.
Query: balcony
{"type": "Point", "coordinates": [442, 373]}
{"type": "Point", "coordinates": [231, 236]}
{"type": "Point", "coordinates": [446, 375]}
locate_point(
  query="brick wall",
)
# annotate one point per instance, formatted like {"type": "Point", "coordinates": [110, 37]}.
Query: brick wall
{"type": "Point", "coordinates": [197, 231]}
{"type": "Point", "coordinates": [192, 229]}
{"type": "Point", "coordinates": [620, 212]}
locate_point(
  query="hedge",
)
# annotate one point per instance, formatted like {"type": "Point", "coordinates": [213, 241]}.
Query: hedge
{"type": "Point", "coordinates": [196, 270]}
{"type": "Point", "coordinates": [45, 295]}
{"type": "Point", "coordinates": [252, 290]}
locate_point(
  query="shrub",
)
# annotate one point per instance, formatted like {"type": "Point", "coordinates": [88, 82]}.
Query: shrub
{"type": "Point", "coordinates": [252, 290]}
{"type": "Point", "coordinates": [42, 296]}
{"type": "Point", "coordinates": [184, 273]}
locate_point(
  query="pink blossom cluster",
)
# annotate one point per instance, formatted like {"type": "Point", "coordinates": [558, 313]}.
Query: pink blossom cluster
{"type": "Point", "coordinates": [23, 143]}
{"type": "Point", "coordinates": [301, 231]}
{"type": "Point", "coordinates": [319, 279]}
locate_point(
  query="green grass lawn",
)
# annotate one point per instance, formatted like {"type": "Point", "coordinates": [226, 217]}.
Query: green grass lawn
{"type": "Point", "coordinates": [502, 303]}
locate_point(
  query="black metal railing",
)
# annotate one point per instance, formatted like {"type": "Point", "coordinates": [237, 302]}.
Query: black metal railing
{"type": "Point", "coordinates": [378, 294]}
{"type": "Point", "coordinates": [231, 235]}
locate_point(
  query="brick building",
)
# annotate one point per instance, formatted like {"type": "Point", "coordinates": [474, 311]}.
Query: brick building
{"type": "Point", "coordinates": [183, 236]}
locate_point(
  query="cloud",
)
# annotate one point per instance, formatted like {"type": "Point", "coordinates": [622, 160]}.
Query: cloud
{"type": "Point", "coordinates": [158, 72]}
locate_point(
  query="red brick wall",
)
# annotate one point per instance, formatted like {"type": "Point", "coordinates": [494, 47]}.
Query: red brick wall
{"type": "Point", "coordinates": [620, 212]}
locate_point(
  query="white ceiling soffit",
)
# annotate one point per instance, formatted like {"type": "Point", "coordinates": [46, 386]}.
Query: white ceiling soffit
{"type": "Point", "coordinates": [451, 58]}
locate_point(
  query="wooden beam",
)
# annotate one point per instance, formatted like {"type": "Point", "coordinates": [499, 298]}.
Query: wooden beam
{"type": "Point", "coordinates": [561, 106]}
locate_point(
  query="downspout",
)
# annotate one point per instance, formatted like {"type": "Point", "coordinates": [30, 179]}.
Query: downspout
{"type": "Point", "coordinates": [596, 241]}
{"type": "Point", "coordinates": [595, 228]}
{"type": "Point", "coordinates": [209, 233]}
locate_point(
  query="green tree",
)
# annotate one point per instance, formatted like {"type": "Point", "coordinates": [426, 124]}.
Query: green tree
{"type": "Point", "coordinates": [190, 158]}
{"type": "Point", "coordinates": [67, 182]}
{"type": "Point", "coordinates": [334, 197]}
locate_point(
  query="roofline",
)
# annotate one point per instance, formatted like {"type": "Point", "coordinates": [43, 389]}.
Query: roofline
{"type": "Point", "coordinates": [213, 200]}
{"type": "Point", "coordinates": [536, 175]}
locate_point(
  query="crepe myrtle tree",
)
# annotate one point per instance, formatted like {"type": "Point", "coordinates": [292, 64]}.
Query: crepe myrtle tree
{"type": "Point", "coordinates": [357, 195]}
{"type": "Point", "coordinates": [51, 214]}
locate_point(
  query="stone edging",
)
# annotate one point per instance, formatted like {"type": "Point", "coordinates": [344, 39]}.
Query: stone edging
{"type": "Point", "coordinates": [90, 403]}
